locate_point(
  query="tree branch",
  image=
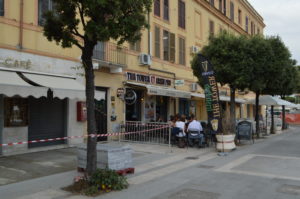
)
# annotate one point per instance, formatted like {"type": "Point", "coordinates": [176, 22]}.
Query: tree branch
{"type": "Point", "coordinates": [80, 8]}
{"type": "Point", "coordinates": [76, 33]}
{"type": "Point", "coordinates": [78, 45]}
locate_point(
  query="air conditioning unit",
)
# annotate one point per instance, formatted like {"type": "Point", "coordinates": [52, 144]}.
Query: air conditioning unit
{"type": "Point", "coordinates": [194, 87]}
{"type": "Point", "coordinates": [195, 49]}
{"type": "Point", "coordinates": [96, 66]}
{"type": "Point", "coordinates": [145, 59]}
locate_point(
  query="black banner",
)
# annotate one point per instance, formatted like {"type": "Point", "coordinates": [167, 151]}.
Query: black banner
{"type": "Point", "coordinates": [211, 94]}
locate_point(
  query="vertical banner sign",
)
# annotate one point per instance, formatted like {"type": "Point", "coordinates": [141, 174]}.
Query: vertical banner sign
{"type": "Point", "coordinates": [211, 94]}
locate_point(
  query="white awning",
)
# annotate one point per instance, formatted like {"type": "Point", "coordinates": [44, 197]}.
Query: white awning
{"type": "Point", "coordinates": [23, 83]}
{"type": "Point", "coordinates": [163, 91]}
{"type": "Point", "coordinates": [269, 100]}
{"type": "Point", "coordinates": [11, 84]}
{"type": "Point", "coordinates": [62, 87]}
{"type": "Point", "coordinates": [227, 99]}
{"type": "Point", "coordinates": [199, 95]}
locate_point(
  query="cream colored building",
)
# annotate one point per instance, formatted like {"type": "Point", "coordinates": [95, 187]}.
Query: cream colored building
{"type": "Point", "coordinates": [157, 68]}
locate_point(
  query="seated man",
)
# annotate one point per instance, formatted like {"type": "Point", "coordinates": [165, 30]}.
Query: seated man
{"type": "Point", "coordinates": [194, 132]}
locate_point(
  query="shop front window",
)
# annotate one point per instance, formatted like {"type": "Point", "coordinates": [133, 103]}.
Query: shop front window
{"type": "Point", "coordinates": [15, 112]}
{"type": "Point", "coordinates": [161, 109]}
{"type": "Point", "coordinates": [184, 107]}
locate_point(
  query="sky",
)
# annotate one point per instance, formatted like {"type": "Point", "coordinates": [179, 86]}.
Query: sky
{"type": "Point", "coordinates": [282, 17]}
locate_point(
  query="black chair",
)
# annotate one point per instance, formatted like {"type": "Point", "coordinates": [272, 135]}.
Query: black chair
{"type": "Point", "coordinates": [181, 142]}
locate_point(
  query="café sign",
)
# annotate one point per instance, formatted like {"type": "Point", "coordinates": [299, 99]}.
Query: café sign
{"type": "Point", "coordinates": [148, 79]}
{"type": "Point", "coordinates": [15, 63]}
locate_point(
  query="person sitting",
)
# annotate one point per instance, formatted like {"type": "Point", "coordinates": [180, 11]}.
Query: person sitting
{"type": "Point", "coordinates": [194, 132]}
{"type": "Point", "coordinates": [180, 124]}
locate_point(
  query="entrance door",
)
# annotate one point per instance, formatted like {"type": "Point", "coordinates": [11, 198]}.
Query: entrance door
{"type": "Point", "coordinates": [133, 111]}
{"type": "Point", "coordinates": [161, 109]}
{"type": "Point", "coordinates": [101, 115]}
{"type": "Point", "coordinates": [47, 119]}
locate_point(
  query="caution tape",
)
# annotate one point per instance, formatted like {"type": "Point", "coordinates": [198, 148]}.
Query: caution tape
{"type": "Point", "coordinates": [82, 136]}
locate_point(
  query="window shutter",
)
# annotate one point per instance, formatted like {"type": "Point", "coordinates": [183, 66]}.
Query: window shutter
{"type": "Point", "coordinates": [157, 8]}
{"type": "Point", "coordinates": [157, 42]}
{"type": "Point", "coordinates": [172, 47]}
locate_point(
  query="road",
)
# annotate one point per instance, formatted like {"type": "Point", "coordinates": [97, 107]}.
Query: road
{"type": "Point", "coordinates": [268, 169]}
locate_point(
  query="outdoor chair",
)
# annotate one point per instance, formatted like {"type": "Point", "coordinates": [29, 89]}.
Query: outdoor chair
{"type": "Point", "coordinates": [195, 137]}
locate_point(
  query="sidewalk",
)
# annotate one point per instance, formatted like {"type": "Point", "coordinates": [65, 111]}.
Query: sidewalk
{"type": "Point", "coordinates": [42, 174]}
{"type": "Point", "coordinates": [151, 163]}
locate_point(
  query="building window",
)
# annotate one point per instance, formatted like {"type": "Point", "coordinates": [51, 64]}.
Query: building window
{"type": "Point", "coordinates": [211, 28]}
{"type": "Point", "coordinates": [181, 14]}
{"type": "Point", "coordinates": [44, 6]}
{"type": "Point", "coordinates": [224, 7]}
{"type": "Point", "coordinates": [1, 7]}
{"type": "Point", "coordinates": [212, 2]}
{"type": "Point", "coordinates": [251, 31]}
{"type": "Point", "coordinates": [198, 25]}
{"type": "Point", "coordinates": [15, 112]}
{"type": "Point", "coordinates": [99, 51]}
{"type": "Point", "coordinates": [220, 5]}
{"type": "Point", "coordinates": [169, 46]}
{"type": "Point", "coordinates": [136, 46]}
{"type": "Point", "coordinates": [157, 42]}
{"type": "Point", "coordinates": [181, 51]}
{"type": "Point", "coordinates": [258, 31]}
{"type": "Point", "coordinates": [247, 24]}
{"type": "Point", "coordinates": [240, 17]}
{"type": "Point", "coordinates": [166, 42]}
{"type": "Point", "coordinates": [232, 11]}
{"type": "Point", "coordinates": [157, 8]}
{"type": "Point", "coordinates": [166, 10]}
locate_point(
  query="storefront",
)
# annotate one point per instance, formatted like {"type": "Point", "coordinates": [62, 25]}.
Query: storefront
{"type": "Point", "coordinates": [151, 99]}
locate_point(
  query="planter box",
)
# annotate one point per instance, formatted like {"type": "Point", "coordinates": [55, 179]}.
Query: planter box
{"type": "Point", "coordinates": [113, 156]}
{"type": "Point", "coordinates": [225, 143]}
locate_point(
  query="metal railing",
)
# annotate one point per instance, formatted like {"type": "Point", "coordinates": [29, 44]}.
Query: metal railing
{"type": "Point", "coordinates": [146, 132]}
{"type": "Point", "coordinates": [110, 54]}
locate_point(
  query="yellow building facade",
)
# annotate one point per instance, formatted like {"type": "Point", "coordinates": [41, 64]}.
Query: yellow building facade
{"type": "Point", "coordinates": [156, 71]}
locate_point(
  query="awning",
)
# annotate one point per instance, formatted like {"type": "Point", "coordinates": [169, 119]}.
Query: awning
{"type": "Point", "coordinates": [222, 98]}
{"type": "Point", "coordinates": [11, 84]}
{"type": "Point", "coordinates": [269, 100]}
{"type": "Point", "coordinates": [198, 95]}
{"type": "Point", "coordinates": [162, 91]}
{"type": "Point", "coordinates": [62, 87]}
{"type": "Point", "coordinates": [26, 83]}
{"type": "Point", "coordinates": [227, 99]}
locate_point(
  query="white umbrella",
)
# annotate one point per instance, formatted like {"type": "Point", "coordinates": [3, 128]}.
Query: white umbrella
{"type": "Point", "coordinates": [269, 100]}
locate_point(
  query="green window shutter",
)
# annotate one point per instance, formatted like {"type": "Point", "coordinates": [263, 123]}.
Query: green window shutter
{"type": "Point", "coordinates": [172, 47]}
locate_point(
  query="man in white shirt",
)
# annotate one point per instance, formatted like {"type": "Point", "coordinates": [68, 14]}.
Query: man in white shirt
{"type": "Point", "coordinates": [194, 132]}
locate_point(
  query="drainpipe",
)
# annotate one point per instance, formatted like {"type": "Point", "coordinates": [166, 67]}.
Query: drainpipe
{"type": "Point", "coordinates": [21, 24]}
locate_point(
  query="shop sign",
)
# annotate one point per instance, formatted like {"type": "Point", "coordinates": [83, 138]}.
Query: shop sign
{"type": "Point", "coordinates": [130, 97]}
{"type": "Point", "coordinates": [179, 82]}
{"type": "Point", "coordinates": [211, 93]}
{"type": "Point", "coordinates": [120, 92]}
{"type": "Point", "coordinates": [15, 63]}
{"type": "Point", "coordinates": [148, 79]}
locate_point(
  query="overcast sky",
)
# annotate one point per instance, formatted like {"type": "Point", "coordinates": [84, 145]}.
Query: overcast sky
{"type": "Point", "coordinates": [282, 17]}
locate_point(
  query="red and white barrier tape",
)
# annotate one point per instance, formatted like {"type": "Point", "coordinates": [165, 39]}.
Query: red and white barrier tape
{"type": "Point", "coordinates": [82, 136]}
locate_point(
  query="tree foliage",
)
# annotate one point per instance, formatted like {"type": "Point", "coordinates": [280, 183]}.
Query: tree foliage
{"type": "Point", "coordinates": [85, 22]}
{"type": "Point", "coordinates": [227, 54]}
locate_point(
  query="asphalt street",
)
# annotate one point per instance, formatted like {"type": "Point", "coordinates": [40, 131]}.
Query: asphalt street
{"type": "Point", "coordinates": [268, 169]}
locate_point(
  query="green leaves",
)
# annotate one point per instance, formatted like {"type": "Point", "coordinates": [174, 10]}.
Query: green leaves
{"type": "Point", "coordinates": [261, 64]}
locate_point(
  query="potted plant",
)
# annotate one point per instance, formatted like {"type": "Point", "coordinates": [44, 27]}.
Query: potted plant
{"type": "Point", "coordinates": [225, 139]}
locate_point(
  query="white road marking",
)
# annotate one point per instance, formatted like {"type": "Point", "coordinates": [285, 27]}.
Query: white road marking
{"type": "Point", "coordinates": [168, 170]}
{"type": "Point", "coordinates": [228, 168]}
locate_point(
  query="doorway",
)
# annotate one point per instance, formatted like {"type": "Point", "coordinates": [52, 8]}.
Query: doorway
{"type": "Point", "coordinates": [101, 115]}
